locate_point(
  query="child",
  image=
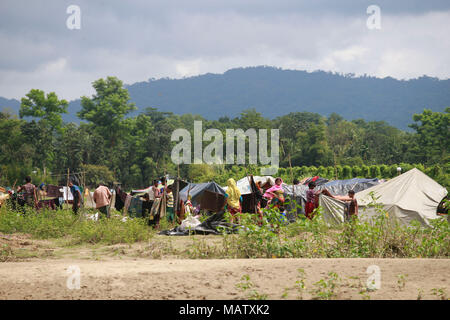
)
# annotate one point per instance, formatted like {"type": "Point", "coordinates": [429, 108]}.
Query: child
{"type": "Point", "coordinates": [188, 207]}
{"type": "Point", "coordinates": [311, 203]}
{"type": "Point", "coordinates": [169, 211]}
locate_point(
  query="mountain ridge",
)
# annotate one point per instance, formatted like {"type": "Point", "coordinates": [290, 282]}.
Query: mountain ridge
{"type": "Point", "coordinates": [275, 92]}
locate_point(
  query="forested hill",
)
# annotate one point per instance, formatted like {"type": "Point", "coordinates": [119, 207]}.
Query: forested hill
{"type": "Point", "coordinates": [274, 92]}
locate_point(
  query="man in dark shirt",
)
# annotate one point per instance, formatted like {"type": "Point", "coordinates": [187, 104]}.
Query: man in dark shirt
{"type": "Point", "coordinates": [76, 192]}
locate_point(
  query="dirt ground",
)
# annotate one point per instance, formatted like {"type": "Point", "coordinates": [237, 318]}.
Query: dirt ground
{"type": "Point", "coordinates": [42, 271]}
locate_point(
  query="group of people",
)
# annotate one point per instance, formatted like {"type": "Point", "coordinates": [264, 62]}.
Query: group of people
{"type": "Point", "coordinates": [102, 198]}
{"type": "Point", "coordinates": [28, 194]}
{"type": "Point", "coordinates": [273, 197]}
{"type": "Point", "coordinates": [156, 192]}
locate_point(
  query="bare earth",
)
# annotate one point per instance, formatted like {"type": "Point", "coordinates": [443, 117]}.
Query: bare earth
{"type": "Point", "coordinates": [124, 276]}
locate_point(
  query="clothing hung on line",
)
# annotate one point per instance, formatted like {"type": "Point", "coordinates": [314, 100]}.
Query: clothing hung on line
{"type": "Point", "coordinates": [135, 208]}
{"type": "Point", "coordinates": [127, 204]}
{"type": "Point", "coordinates": [53, 191]}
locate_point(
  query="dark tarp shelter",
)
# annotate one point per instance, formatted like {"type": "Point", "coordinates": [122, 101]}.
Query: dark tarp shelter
{"type": "Point", "coordinates": [196, 191]}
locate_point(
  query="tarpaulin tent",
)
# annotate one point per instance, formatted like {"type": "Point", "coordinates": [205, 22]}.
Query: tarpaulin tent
{"type": "Point", "coordinates": [342, 187]}
{"type": "Point", "coordinates": [146, 190]}
{"type": "Point", "coordinates": [410, 196]}
{"type": "Point", "coordinates": [297, 193]}
{"type": "Point", "coordinates": [244, 183]}
{"type": "Point", "coordinates": [317, 180]}
{"type": "Point", "coordinates": [196, 191]}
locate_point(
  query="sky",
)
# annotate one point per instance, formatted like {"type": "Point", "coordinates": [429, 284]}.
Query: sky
{"type": "Point", "coordinates": [138, 40]}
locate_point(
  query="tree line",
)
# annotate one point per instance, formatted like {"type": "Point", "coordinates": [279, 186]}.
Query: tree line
{"type": "Point", "coordinates": [110, 145]}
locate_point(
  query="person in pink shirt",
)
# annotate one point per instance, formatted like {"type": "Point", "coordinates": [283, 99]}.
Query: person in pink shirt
{"type": "Point", "coordinates": [102, 199]}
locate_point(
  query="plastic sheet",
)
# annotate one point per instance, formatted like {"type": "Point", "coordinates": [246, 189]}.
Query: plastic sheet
{"type": "Point", "coordinates": [215, 224]}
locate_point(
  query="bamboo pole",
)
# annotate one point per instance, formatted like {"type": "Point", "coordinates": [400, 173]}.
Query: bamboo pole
{"type": "Point", "coordinates": [67, 189]}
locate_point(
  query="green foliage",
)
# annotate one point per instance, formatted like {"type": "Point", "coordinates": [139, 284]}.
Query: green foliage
{"type": "Point", "coordinates": [433, 135]}
{"type": "Point", "coordinates": [96, 174]}
{"type": "Point", "coordinates": [325, 289]}
{"type": "Point", "coordinates": [45, 107]}
{"type": "Point", "coordinates": [51, 224]}
{"type": "Point", "coordinates": [137, 149]}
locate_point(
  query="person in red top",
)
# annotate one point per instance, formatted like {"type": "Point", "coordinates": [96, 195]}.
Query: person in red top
{"type": "Point", "coordinates": [311, 202]}
{"type": "Point", "coordinates": [102, 199]}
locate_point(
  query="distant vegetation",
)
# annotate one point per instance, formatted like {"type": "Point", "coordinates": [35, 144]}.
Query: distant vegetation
{"type": "Point", "coordinates": [113, 145]}
{"type": "Point", "coordinates": [275, 92]}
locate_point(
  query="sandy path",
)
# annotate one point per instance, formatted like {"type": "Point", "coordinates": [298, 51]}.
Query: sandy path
{"type": "Point", "coordinates": [214, 279]}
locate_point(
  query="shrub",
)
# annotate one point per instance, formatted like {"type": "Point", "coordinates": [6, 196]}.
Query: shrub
{"type": "Point", "coordinates": [375, 171]}
{"type": "Point", "coordinates": [347, 172]}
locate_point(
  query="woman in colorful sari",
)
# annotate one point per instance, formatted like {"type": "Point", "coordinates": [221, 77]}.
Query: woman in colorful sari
{"type": "Point", "coordinates": [233, 198]}
{"type": "Point", "coordinates": [311, 200]}
{"type": "Point", "coordinates": [274, 194]}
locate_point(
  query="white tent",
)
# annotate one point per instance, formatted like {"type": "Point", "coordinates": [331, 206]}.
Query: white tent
{"type": "Point", "coordinates": [410, 196]}
{"type": "Point", "coordinates": [244, 183]}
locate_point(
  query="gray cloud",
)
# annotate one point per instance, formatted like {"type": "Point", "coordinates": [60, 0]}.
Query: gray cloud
{"type": "Point", "coordinates": [138, 40]}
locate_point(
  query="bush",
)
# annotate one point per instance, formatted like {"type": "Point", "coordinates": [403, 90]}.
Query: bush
{"type": "Point", "coordinates": [51, 224]}
{"type": "Point", "coordinates": [356, 171]}
{"type": "Point", "coordinates": [347, 172]}
{"type": "Point", "coordinates": [365, 171]}
{"type": "Point", "coordinates": [375, 171]}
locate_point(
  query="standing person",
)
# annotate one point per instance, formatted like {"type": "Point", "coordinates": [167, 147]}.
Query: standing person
{"type": "Point", "coordinates": [102, 199]}
{"type": "Point", "coordinates": [170, 214]}
{"type": "Point", "coordinates": [76, 192]}
{"type": "Point", "coordinates": [154, 191]}
{"type": "Point", "coordinates": [233, 196]}
{"type": "Point", "coordinates": [310, 200]}
{"type": "Point", "coordinates": [276, 191]}
{"type": "Point", "coordinates": [351, 205]}
{"type": "Point", "coordinates": [29, 192]}
{"type": "Point", "coordinates": [189, 208]}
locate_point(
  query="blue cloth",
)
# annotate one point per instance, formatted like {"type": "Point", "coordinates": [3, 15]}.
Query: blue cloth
{"type": "Point", "coordinates": [75, 189]}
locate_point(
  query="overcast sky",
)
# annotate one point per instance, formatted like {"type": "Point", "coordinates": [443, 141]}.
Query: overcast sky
{"type": "Point", "coordinates": [137, 40]}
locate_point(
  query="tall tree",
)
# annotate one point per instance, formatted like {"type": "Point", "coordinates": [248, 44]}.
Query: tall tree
{"type": "Point", "coordinates": [48, 109]}
{"type": "Point", "coordinates": [433, 134]}
{"type": "Point", "coordinates": [107, 108]}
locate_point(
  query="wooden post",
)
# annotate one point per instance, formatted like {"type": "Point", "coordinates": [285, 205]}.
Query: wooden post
{"type": "Point", "coordinates": [67, 189]}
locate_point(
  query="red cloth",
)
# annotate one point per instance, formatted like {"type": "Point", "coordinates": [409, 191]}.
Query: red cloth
{"type": "Point", "coordinates": [233, 211]}
{"type": "Point", "coordinates": [309, 208]}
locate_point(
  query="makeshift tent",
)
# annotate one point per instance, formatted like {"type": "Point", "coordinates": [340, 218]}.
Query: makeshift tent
{"type": "Point", "coordinates": [317, 180]}
{"type": "Point", "coordinates": [146, 190]}
{"type": "Point", "coordinates": [196, 191]}
{"type": "Point", "coordinates": [244, 183]}
{"type": "Point", "coordinates": [410, 196]}
{"type": "Point", "coordinates": [212, 201]}
{"type": "Point", "coordinates": [3, 196]}
{"type": "Point", "coordinates": [342, 187]}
